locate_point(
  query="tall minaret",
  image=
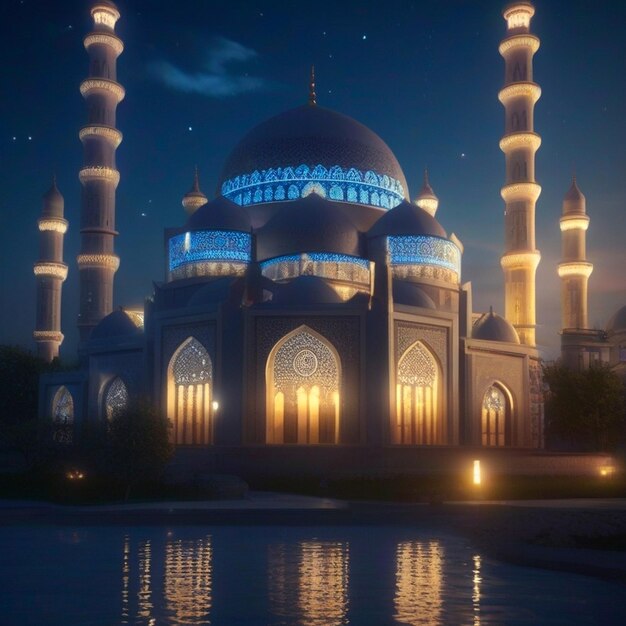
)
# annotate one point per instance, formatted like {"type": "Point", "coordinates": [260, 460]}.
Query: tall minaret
{"type": "Point", "coordinates": [50, 272]}
{"type": "Point", "coordinates": [97, 260]}
{"type": "Point", "coordinates": [194, 198]}
{"type": "Point", "coordinates": [520, 192]}
{"type": "Point", "coordinates": [427, 199]}
{"type": "Point", "coordinates": [574, 270]}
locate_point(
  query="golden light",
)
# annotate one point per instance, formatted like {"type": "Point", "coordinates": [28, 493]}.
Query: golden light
{"type": "Point", "coordinates": [606, 471]}
{"type": "Point", "coordinates": [476, 473]}
{"type": "Point", "coordinates": [75, 475]}
{"type": "Point", "coordinates": [215, 405]}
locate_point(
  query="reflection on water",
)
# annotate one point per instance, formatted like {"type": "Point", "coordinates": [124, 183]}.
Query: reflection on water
{"type": "Point", "coordinates": [279, 576]}
{"type": "Point", "coordinates": [419, 581]}
{"type": "Point", "coordinates": [308, 582]}
{"type": "Point", "coordinates": [188, 580]}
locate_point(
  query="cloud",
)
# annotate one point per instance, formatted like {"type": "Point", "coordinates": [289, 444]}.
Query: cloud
{"type": "Point", "coordinates": [217, 78]}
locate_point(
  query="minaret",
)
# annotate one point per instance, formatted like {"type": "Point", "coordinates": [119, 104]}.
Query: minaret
{"type": "Point", "coordinates": [520, 192]}
{"type": "Point", "coordinates": [427, 199]}
{"type": "Point", "coordinates": [194, 198]}
{"type": "Point", "coordinates": [97, 260]}
{"type": "Point", "coordinates": [574, 270]}
{"type": "Point", "coordinates": [50, 272]}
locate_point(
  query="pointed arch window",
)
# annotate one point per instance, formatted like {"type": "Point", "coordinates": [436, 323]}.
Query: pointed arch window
{"type": "Point", "coordinates": [190, 394]}
{"type": "Point", "coordinates": [495, 417]}
{"type": "Point", "coordinates": [115, 398]}
{"type": "Point", "coordinates": [418, 403]}
{"type": "Point", "coordinates": [63, 416]}
{"type": "Point", "coordinates": [303, 388]}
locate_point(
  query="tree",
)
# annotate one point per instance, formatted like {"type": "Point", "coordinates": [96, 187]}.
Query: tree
{"type": "Point", "coordinates": [138, 443]}
{"type": "Point", "coordinates": [584, 410]}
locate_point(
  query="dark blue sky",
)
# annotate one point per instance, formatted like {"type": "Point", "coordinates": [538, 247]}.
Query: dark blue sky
{"type": "Point", "coordinates": [423, 75]}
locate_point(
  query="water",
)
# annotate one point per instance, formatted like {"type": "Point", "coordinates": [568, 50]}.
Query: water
{"type": "Point", "coordinates": [279, 576]}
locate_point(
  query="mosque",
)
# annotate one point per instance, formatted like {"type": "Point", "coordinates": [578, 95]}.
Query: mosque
{"type": "Point", "coordinates": [312, 305]}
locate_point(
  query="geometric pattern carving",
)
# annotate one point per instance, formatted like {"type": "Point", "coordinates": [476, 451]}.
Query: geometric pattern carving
{"type": "Point", "coordinates": [62, 416]}
{"type": "Point", "coordinates": [425, 250]}
{"type": "Point", "coordinates": [417, 367]}
{"type": "Point", "coordinates": [116, 398]}
{"type": "Point", "coordinates": [192, 365]}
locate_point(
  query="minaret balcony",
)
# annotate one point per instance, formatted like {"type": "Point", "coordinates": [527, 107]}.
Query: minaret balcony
{"type": "Point", "coordinates": [99, 172]}
{"type": "Point", "coordinates": [578, 268]}
{"type": "Point", "coordinates": [104, 39]}
{"type": "Point", "coordinates": [57, 225]}
{"type": "Point", "coordinates": [519, 41]}
{"type": "Point", "coordinates": [520, 90]}
{"type": "Point", "coordinates": [574, 223]}
{"type": "Point", "coordinates": [521, 260]}
{"type": "Point", "coordinates": [97, 261]}
{"type": "Point", "coordinates": [521, 191]}
{"type": "Point", "coordinates": [514, 141]}
{"type": "Point", "coordinates": [50, 270]}
{"type": "Point", "coordinates": [102, 84]}
{"type": "Point", "coordinates": [48, 335]}
{"type": "Point", "coordinates": [112, 135]}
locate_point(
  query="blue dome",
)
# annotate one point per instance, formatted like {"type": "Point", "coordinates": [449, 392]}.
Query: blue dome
{"type": "Point", "coordinates": [493, 327]}
{"type": "Point", "coordinates": [310, 224]}
{"type": "Point", "coordinates": [305, 290]}
{"type": "Point", "coordinates": [308, 146]}
{"type": "Point", "coordinates": [219, 214]}
{"type": "Point", "coordinates": [117, 324]}
{"type": "Point", "coordinates": [405, 292]}
{"type": "Point", "coordinates": [407, 219]}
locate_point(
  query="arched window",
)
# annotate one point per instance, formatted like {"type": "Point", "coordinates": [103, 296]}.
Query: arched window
{"type": "Point", "coordinates": [190, 394]}
{"type": "Point", "coordinates": [115, 398]}
{"type": "Point", "coordinates": [303, 388]}
{"type": "Point", "coordinates": [63, 416]}
{"type": "Point", "coordinates": [495, 417]}
{"type": "Point", "coordinates": [418, 404]}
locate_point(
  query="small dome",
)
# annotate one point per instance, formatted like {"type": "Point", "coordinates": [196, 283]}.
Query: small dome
{"type": "Point", "coordinates": [117, 324]}
{"type": "Point", "coordinates": [427, 199]}
{"type": "Point", "coordinates": [305, 290]}
{"type": "Point", "coordinates": [493, 327]}
{"type": "Point", "coordinates": [574, 200]}
{"type": "Point", "coordinates": [617, 323]}
{"type": "Point", "coordinates": [194, 198]}
{"type": "Point", "coordinates": [405, 292]}
{"type": "Point", "coordinates": [53, 202]}
{"type": "Point", "coordinates": [311, 224]}
{"type": "Point", "coordinates": [219, 214]}
{"type": "Point", "coordinates": [407, 219]}
{"type": "Point", "coordinates": [215, 292]}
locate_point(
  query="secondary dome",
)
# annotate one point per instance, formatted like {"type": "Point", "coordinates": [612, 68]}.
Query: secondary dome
{"type": "Point", "coordinates": [311, 148]}
{"type": "Point", "coordinates": [119, 323]}
{"type": "Point", "coordinates": [407, 219]}
{"type": "Point", "coordinates": [617, 323]}
{"type": "Point", "coordinates": [219, 214]}
{"type": "Point", "coordinates": [493, 327]}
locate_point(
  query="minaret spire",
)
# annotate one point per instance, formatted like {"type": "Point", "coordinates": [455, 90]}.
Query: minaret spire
{"type": "Point", "coordinates": [97, 261]}
{"type": "Point", "coordinates": [312, 94]}
{"type": "Point", "coordinates": [520, 191]}
{"type": "Point", "coordinates": [50, 272]}
{"type": "Point", "coordinates": [194, 198]}
{"type": "Point", "coordinates": [427, 199]}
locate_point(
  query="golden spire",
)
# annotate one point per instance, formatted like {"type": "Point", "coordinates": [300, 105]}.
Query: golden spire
{"type": "Point", "coordinates": [312, 94]}
{"type": "Point", "coordinates": [196, 182]}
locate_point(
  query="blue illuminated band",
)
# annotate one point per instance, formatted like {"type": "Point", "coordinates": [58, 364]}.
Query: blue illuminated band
{"type": "Point", "coordinates": [424, 251]}
{"type": "Point", "coordinates": [336, 183]}
{"type": "Point", "coordinates": [208, 252]}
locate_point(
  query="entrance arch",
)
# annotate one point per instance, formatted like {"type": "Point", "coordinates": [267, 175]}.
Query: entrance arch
{"type": "Point", "coordinates": [496, 410]}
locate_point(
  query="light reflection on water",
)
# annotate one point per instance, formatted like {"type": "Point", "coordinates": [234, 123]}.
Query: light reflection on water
{"type": "Point", "coordinates": [279, 576]}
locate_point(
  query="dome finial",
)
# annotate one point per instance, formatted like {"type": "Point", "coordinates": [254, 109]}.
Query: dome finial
{"type": "Point", "coordinates": [426, 182]}
{"type": "Point", "coordinates": [312, 94]}
{"type": "Point", "coordinates": [196, 180]}
{"type": "Point", "coordinates": [490, 309]}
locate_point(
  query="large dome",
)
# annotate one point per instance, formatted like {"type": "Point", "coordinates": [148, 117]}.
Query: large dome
{"type": "Point", "coordinates": [311, 148]}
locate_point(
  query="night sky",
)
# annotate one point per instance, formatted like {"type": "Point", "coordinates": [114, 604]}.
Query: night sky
{"type": "Point", "coordinates": [423, 75]}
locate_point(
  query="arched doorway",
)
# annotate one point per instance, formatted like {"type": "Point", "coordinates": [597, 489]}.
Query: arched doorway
{"type": "Point", "coordinates": [115, 398]}
{"type": "Point", "coordinates": [190, 394]}
{"type": "Point", "coordinates": [418, 402]}
{"type": "Point", "coordinates": [303, 387]}
{"type": "Point", "coordinates": [63, 416]}
{"type": "Point", "coordinates": [496, 416]}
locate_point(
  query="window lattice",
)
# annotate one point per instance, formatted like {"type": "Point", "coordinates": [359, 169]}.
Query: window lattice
{"type": "Point", "coordinates": [494, 399]}
{"type": "Point", "coordinates": [116, 399]}
{"type": "Point", "coordinates": [303, 361]}
{"type": "Point", "coordinates": [417, 367]}
{"type": "Point", "coordinates": [192, 365]}
{"type": "Point", "coordinates": [62, 416]}
{"type": "Point", "coordinates": [424, 250]}
{"type": "Point", "coordinates": [337, 183]}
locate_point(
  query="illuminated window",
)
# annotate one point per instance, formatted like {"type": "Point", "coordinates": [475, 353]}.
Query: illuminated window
{"type": "Point", "coordinates": [63, 416]}
{"type": "Point", "coordinates": [495, 410]}
{"type": "Point", "coordinates": [116, 398]}
{"type": "Point", "coordinates": [190, 394]}
{"type": "Point", "coordinates": [418, 406]}
{"type": "Point", "coordinates": [303, 390]}
{"type": "Point", "coordinates": [337, 183]}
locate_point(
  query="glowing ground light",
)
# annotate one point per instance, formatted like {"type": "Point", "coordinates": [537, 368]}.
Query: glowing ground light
{"type": "Point", "coordinates": [476, 474]}
{"type": "Point", "coordinates": [215, 405]}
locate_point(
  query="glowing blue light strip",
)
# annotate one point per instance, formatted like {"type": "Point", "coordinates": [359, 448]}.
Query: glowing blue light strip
{"type": "Point", "coordinates": [424, 250]}
{"type": "Point", "coordinates": [209, 245]}
{"type": "Point", "coordinates": [317, 257]}
{"type": "Point", "coordinates": [290, 183]}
